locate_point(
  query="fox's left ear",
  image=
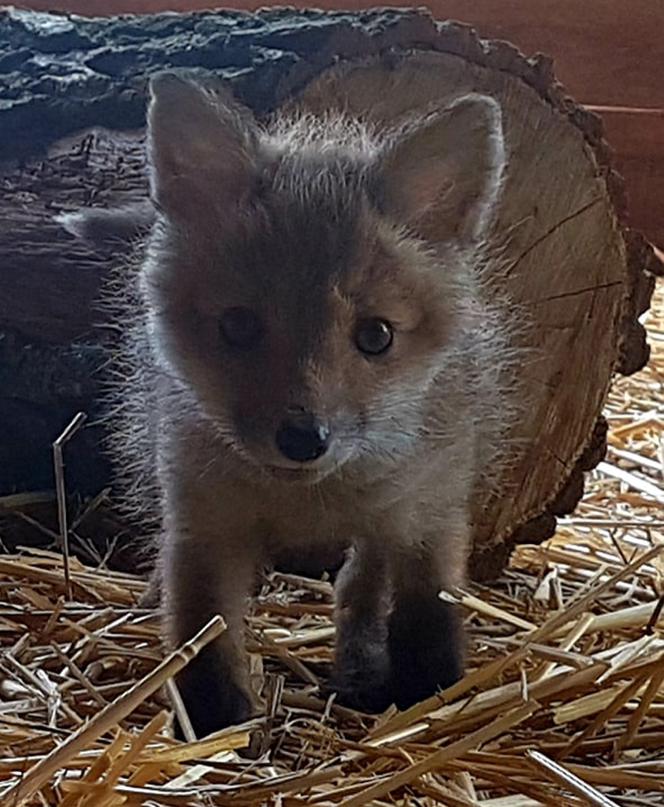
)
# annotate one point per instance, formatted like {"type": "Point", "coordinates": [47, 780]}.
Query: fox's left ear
{"type": "Point", "coordinates": [443, 177]}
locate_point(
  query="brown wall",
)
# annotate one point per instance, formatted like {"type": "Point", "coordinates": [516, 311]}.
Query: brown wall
{"type": "Point", "coordinates": [608, 53]}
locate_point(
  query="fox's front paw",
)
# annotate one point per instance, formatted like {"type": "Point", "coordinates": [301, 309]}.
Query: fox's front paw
{"type": "Point", "coordinates": [426, 649]}
{"type": "Point", "coordinates": [361, 676]}
{"type": "Point", "coordinates": [212, 700]}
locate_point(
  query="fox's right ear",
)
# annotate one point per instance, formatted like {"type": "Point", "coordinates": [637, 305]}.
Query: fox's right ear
{"type": "Point", "coordinates": [202, 147]}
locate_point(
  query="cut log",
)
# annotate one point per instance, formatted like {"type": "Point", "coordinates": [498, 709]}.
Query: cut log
{"type": "Point", "coordinates": [577, 277]}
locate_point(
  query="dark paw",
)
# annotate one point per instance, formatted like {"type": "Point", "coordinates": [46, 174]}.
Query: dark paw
{"type": "Point", "coordinates": [211, 699]}
{"type": "Point", "coordinates": [361, 676]}
{"type": "Point", "coordinates": [364, 695]}
{"type": "Point", "coordinates": [426, 649]}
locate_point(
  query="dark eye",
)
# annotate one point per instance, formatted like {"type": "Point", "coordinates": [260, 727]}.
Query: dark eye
{"type": "Point", "coordinates": [374, 336]}
{"type": "Point", "coordinates": [241, 327]}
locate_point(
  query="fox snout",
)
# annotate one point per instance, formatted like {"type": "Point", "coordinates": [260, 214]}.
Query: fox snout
{"type": "Point", "coordinates": [302, 436]}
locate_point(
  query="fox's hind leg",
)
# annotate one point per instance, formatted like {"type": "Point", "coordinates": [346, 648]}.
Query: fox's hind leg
{"type": "Point", "coordinates": [151, 597]}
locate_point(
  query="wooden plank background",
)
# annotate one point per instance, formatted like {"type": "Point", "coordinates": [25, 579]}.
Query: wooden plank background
{"type": "Point", "coordinates": [608, 53]}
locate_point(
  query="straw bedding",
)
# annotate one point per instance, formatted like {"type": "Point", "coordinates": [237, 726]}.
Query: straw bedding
{"type": "Point", "coordinates": [563, 701]}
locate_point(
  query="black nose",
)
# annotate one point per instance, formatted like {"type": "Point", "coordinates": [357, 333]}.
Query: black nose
{"type": "Point", "coordinates": [303, 438]}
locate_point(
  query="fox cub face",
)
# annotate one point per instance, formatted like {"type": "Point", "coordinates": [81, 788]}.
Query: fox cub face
{"type": "Point", "coordinates": [306, 281]}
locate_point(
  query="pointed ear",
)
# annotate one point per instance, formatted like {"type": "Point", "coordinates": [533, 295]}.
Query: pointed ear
{"type": "Point", "coordinates": [202, 147]}
{"type": "Point", "coordinates": [443, 177]}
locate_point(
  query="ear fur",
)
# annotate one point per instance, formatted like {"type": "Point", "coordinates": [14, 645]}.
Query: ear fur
{"type": "Point", "coordinates": [202, 146]}
{"type": "Point", "coordinates": [443, 176]}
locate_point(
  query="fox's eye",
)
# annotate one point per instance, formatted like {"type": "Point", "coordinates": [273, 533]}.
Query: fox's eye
{"type": "Point", "coordinates": [241, 327]}
{"type": "Point", "coordinates": [374, 336]}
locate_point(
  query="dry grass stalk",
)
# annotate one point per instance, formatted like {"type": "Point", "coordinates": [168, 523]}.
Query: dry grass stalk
{"type": "Point", "coordinates": [60, 490]}
{"type": "Point", "coordinates": [560, 774]}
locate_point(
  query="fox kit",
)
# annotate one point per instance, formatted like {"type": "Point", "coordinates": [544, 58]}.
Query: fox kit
{"type": "Point", "coordinates": [322, 372]}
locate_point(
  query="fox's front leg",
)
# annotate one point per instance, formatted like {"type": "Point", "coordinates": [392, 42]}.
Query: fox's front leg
{"type": "Point", "coordinates": [204, 575]}
{"type": "Point", "coordinates": [426, 637]}
{"type": "Point", "coordinates": [361, 669]}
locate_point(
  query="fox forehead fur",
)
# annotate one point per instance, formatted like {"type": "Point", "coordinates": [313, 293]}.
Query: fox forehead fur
{"type": "Point", "coordinates": [315, 226]}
